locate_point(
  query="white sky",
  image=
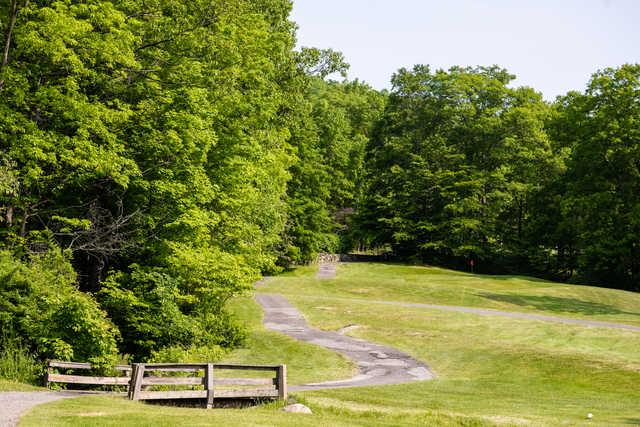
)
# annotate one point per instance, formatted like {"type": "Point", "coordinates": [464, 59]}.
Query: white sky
{"type": "Point", "coordinates": [553, 46]}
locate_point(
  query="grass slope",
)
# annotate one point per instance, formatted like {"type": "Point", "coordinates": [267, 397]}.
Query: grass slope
{"type": "Point", "coordinates": [433, 285]}
{"type": "Point", "coordinates": [491, 370]}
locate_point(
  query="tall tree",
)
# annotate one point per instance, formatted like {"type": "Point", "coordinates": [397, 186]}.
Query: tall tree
{"type": "Point", "coordinates": [452, 163]}
{"type": "Point", "coordinates": [601, 200]}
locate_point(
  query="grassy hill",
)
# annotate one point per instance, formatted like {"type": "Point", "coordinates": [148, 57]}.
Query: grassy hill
{"type": "Point", "coordinates": [491, 370]}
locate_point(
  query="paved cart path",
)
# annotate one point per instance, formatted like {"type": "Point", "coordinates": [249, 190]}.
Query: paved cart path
{"type": "Point", "coordinates": [377, 364]}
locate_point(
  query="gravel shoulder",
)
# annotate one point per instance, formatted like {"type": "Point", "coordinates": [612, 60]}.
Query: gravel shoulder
{"type": "Point", "coordinates": [13, 403]}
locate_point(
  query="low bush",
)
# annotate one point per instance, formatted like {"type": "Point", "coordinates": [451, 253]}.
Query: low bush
{"type": "Point", "coordinates": [40, 303]}
{"type": "Point", "coordinates": [195, 354]}
{"type": "Point", "coordinates": [154, 313]}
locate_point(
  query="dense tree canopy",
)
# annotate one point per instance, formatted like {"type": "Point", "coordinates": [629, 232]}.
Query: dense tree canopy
{"type": "Point", "coordinates": [598, 197]}
{"type": "Point", "coordinates": [151, 139]}
{"type": "Point", "coordinates": [452, 164]}
{"type": "Point", "coordinates": [463, 168]}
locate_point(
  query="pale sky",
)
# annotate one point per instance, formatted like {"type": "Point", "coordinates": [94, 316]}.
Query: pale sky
{"type": "Point", "coordinates": [551, 45]}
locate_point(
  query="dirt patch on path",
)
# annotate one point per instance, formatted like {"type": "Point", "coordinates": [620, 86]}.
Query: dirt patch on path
{"type": "Point", "coordinates": [377, 364]}
{"type": "Point", "coordinates": [13, 404]}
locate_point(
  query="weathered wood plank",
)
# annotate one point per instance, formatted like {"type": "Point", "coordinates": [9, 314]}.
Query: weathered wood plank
{"type": "Point", "coordinates": [244, 381]}
{"type": "Point", "coordinates": [190, 370]}
{"type": "Point", "coordinates": [247, 393]}
{"type": "Point", "coordinates": [208, 378]}
{"type": "Point", "coordinates": [176, 394]}
{"type": "Point", "coordinates": [81, 365]}
{"type": "Point", "coordinates": [179, 366]}
{"type": "Point", "coordinates": [81, 379]}
{"type": "Point", "coordinates": [136, 381]}
{"type": "Point", "coordinates": [69, 365]}
{"type": "Point", "coordinates": [248, 367]}
{"type": "Point", "coordinates": [172, 381]}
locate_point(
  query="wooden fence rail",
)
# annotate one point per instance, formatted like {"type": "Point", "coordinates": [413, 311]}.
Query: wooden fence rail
{"type": "Point", "coordinates": [149, 375]}
{"type": "Point", "coordinates": [155, 381]}
{"type": "Point", "coordinates": [52, 377]}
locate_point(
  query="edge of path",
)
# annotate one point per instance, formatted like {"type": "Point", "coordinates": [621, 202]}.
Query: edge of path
{"type": "Point", "coordinates": [14, 404]}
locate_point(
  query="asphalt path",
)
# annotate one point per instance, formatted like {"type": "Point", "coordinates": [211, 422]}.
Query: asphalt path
{"type": "Point", "coordinates": [377, 364]}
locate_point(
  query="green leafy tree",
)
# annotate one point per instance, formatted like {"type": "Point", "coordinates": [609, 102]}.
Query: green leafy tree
{"type": "Point", "coordinates": [600, 202]}
{"type": "Point", "coordinates": [40, 304]}
{"type": "Point", "coordinates": [452, 164]}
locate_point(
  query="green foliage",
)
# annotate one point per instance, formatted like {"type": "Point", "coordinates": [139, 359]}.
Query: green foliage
{"type": "Point", "coordinates": [40, 303]}
{"type": "Point", "coordinates": [599, 194]}
{"type": "Point", "coordinates": [452, 163]}
{"type": "Point", "coordinates": [17, 364]}
{"type": "Point", "coordinates": [153, 310]}
{"type": "Point", "coordinates": [187, 355]}
{"type": "Point", "coordinates": [152, 140]}
{"type": "Point", "coordinates": [331, 133]}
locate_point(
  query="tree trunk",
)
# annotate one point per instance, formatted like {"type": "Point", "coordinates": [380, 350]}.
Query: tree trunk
{"type": "Point", "coordinates": [23, 225]}
{"type": "Point", "coordinates": [9, 216]}
{"type": "Point", "coordinates": [8, 36]}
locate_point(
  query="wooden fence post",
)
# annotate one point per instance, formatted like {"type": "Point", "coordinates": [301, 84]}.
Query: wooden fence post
{"type": "Point", "coordinates": [134, 371]}
{"type": "Point", "coordinates": [136, 381]}
{"type": "Point", "coordinates": [49, 372]}
{"type": "Point", "coordinates": [281, 378]}
{"type": "Point", "coordinates": [208, 379]}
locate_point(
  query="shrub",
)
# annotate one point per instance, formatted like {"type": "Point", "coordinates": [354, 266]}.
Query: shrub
{"type": "Point", "coordinates": [150, 311]}
{"type": "Point", "coordinates": [153, 313]}
{"type": "Point", "coordinates": [194, 354]}
{"type": "Point", "coordinates": [40, 302]}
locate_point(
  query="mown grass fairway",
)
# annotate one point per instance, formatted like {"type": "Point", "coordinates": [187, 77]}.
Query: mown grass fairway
{"type": "Point", "coordinates": [491, 370]}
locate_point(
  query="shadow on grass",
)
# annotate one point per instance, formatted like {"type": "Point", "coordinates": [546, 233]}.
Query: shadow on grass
{"type": "Point", "coordinates": [557, 304]}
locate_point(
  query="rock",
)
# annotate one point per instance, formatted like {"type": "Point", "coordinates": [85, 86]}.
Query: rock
{"type": "Point", "coordinates": [297, 408]}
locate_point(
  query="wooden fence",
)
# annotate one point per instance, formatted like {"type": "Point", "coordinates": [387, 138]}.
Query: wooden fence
{"type": "Point", "coordinates": [203, 376]}
{"type": "Point", "coordinates": [156, 381]}
{"type": "Point", "coordinates": [52, 377]}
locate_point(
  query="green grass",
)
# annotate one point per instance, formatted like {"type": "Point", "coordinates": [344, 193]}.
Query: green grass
{"type": "Point", "coordinates": [495, 368]}
{"type": "Point", "coordinates": [105, 411]}
{"type": "Point", "coordinates": [491, 370]}
{"type": "Point", "coordinates": [7, 385]}
{"type": "Point", "coordinates": [432, 285]}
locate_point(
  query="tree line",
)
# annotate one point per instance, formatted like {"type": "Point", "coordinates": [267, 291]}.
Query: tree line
{"type": "Point", "coordinates": [464, 170]}
{"type": "Point", "coordinates": [157, 157]}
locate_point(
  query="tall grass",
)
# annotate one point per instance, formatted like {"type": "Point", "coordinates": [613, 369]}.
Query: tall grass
{"type": "Point", "coordinates": [16, 363]}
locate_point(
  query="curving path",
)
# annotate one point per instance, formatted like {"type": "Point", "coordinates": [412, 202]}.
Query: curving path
{"type": "Point", "coordinates": [13, 404]}
{"type": "Point", "coordinates": [377, 364]}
